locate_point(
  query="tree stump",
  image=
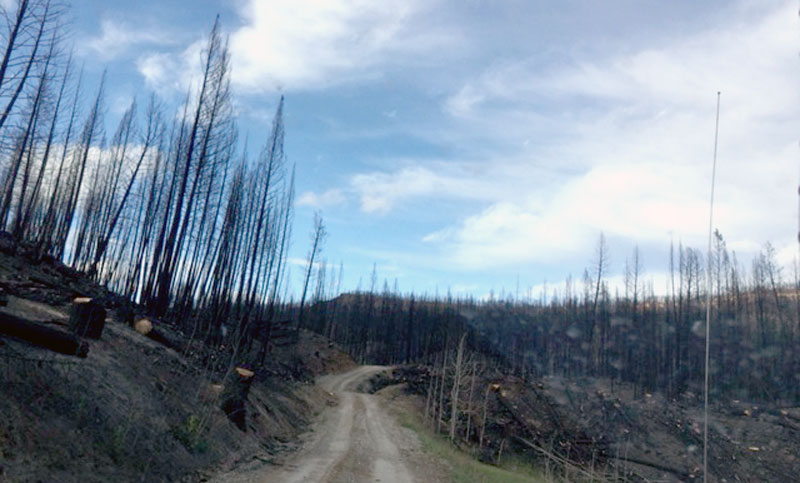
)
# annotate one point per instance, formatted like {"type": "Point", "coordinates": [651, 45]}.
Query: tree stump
{"type": "Point", "coordinates": [8, 244]}
{"type": "Point", "coordinates": [88, 318]}
{"type": "Point", "coordinates": [234, 396]}
{"type": "Point", "coordinates": [148, 328]}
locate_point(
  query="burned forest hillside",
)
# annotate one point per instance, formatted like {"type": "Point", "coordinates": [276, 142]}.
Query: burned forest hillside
{"type": "Point", "coordinates": [160, 320]}
{"type": "Point", "coordinates": [132, 405]}
{"type": "Point", "coordinates": [143, 333]}
{"type": "Point", "coordinates": [653, 342]}
{"type": "Point", "coordinates": [600, 385]}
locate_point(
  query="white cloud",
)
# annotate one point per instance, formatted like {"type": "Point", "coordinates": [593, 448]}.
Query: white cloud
{"type": "Point", "coordinates": [740, 57]}
{"type": "Point", "coordinates": [302, 44]}
{"type": "Point", "coordinates": [331, 197]}
{"type": "Point", "coordinates": [380, 192]}
{"type": "Point", "coordinates": [117, 37]}
{"type": "Point", "coordinates": [299, 44]}
{"type": "Point", "coordinates": [634, 143]}
{"type": "Point", "coordinates": [507, 233]}
{"type": "Point", "coordinates": [296, 44]}
{"type": "Point", "coordinates": [169, 72]}
{"type": "Point", "coordinates": [639, 202]}
{"type": "Point", "coordinates": [462, 103]}
{"type": "Point", "coordinates": [157, 68]}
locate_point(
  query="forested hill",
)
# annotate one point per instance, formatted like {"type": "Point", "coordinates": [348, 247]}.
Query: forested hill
{"type": "Point", "coordinates": [655, 342]}
{"type": "Point", "coordinates": [391, 329]}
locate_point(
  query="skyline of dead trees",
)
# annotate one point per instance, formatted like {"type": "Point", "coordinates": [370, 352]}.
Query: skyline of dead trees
{"type": "Point", "coordinates": [652, 343]}
{"type": "Point", "coordinates": [169, 211]}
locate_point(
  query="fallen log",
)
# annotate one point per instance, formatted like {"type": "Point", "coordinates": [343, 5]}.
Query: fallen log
{"type": "Point", "coordinates": [87, 318]}
{"type": "Point", "coordinates": [147, 327]}
{"type": "Point", "coordinates": [234, 396]}
{"type": "Point", "coordinates": [42, 336]}
{"type": "Point", "coordinates": [46, 282]}
{"type": "Point", "coordinates": [565, 462]}
{"type": "Point", "coordinates": [652, 464]}
{"type": "Point", "coordinates": [58, 322]}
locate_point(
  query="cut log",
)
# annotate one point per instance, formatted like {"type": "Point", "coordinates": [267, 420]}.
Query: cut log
{"type": "Point", "coordinates": [244, 373]}
{"type": "Point", "coordinates": [143, 326]}
{"type": "Point", "coordinates": [652, 464]}
{"type": "Point", "coordinates": [148, 328]}
{"type": "Point", "coordinates": [234, 396]}
{"type": "Point", "coordinates": [42, 336]}
{"type": "Point", "coordinates": [88, 318]}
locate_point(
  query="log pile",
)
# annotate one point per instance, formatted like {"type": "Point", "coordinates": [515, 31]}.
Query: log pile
{"type": "Point", "coordinates": [87, 318]}
{"type": "Point", "coordinates": [529, 413]}
{"type": "Point", "coordinates": [234, 396]}
{"type": "Point", "coordinates": [42, 336]}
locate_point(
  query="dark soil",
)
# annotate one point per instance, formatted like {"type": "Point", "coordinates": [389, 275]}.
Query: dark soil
{"type": "Point", "coordinates": [134, 410]}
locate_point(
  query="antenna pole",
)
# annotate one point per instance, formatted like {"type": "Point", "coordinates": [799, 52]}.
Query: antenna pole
{"type": "Point", "coordinates": [708, 299]}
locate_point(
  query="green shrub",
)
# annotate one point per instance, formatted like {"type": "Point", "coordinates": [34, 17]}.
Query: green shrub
{"type": "Point", "coordinates": [189, 433]}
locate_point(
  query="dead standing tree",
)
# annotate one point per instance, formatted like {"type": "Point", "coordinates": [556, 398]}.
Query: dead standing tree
{"type": "Point", "coordinates": [195, 155]}
{"type": "Point", "coordinates": [455, 392]}
{"type": "Point", "coordinates": [317, 240]}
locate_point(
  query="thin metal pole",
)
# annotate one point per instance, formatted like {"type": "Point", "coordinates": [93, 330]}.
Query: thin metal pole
{"type": "Point", "coordinates": [708, 299]}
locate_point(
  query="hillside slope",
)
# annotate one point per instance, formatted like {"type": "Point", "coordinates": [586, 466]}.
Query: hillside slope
{"type": "Point", "coordinates": [133, 409]}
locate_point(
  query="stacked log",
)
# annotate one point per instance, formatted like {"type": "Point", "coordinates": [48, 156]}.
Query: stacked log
{"type": "Point", "coordinates": [88, 318]}
{"type": "Point", "coordinates": [234, 396]}
{"type": "Point", "coordinates": [42, 336]}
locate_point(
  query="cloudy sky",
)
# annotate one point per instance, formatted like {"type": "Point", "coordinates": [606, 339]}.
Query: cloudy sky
{"type": "Point", "coordinates": [473, 145]}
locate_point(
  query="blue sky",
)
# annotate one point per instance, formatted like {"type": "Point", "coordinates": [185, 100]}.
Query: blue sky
{"type": "Point", "coordinates": [466, 145]}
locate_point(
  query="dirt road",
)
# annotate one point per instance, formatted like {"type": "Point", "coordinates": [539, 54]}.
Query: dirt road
{"type": "Point", "coordinates": [356, 441]}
